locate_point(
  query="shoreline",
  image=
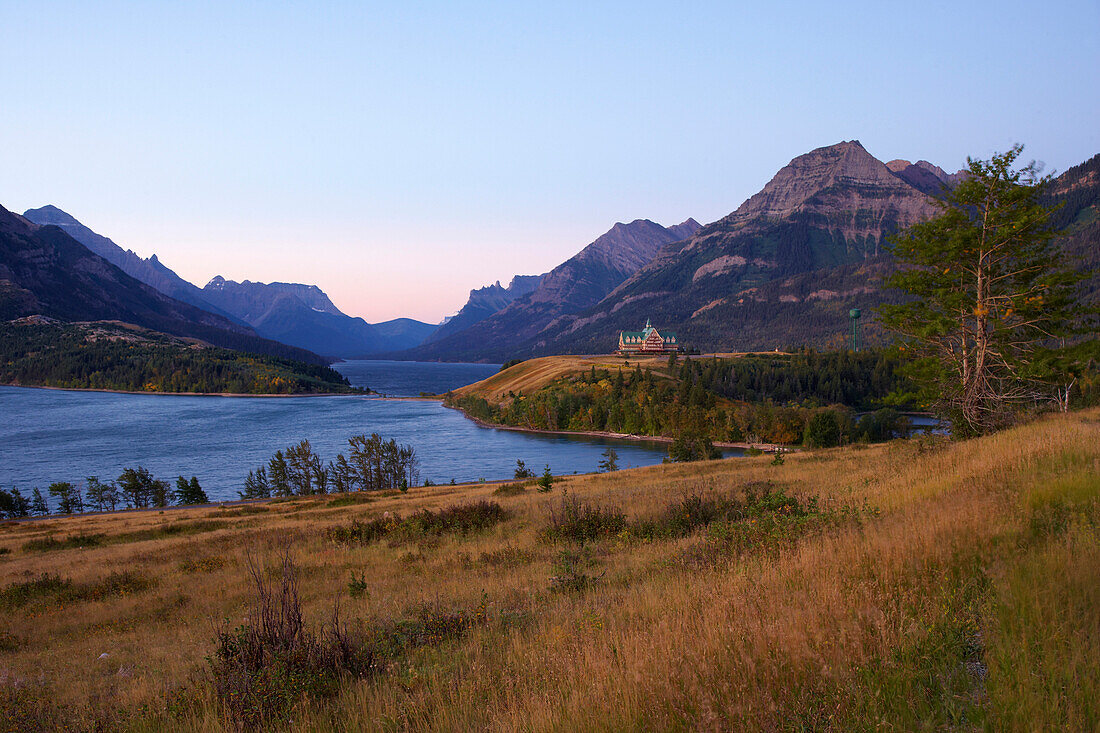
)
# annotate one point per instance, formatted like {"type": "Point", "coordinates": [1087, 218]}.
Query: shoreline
{"type": "Point", "coordinates": [189, 394]}
{"type": "Point", "coordinates": [629, 437]}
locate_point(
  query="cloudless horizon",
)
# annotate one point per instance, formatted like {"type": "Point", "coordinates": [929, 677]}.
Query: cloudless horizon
{"type": "Point", "coordinates": [398, 156]}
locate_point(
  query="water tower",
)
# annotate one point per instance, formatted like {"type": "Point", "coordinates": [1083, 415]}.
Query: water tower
{"type": "Point", "coordinates": [857, 338]}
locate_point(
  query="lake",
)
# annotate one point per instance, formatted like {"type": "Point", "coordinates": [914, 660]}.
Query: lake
{"type": "Point", "coordinates": [55, 435]}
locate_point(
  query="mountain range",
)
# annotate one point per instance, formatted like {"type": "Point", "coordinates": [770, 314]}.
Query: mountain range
{"type": "Point", "coordinates": [578, 283]}
{"type": "Point", "coordinates": [44, 271]}
{"type": "Point", "coordinates": [291, 313]}
{"type": "Point", "coordinates": [783, 269]}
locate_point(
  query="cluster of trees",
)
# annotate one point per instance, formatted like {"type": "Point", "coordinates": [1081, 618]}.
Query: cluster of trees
{"type": "Point", "coordinates": [757, 399]}
{"type": "Point", "coordinates": [65, 355]}
{"type": "Point", "coordinates": [372, 464]}
{"type": "Point", "coordinates": [135, 488]}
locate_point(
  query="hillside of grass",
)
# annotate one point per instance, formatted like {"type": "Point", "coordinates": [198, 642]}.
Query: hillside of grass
{"type": "Point", "coordinates": [109, 355]}
{"type": "Point", "coordinates": [912, 585]}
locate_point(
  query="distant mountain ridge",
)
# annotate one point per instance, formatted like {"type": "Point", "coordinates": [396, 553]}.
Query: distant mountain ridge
{"type": "Point", "coordinates": [484, 302]}
{"type": "Point", "coordinates": [45, 271]}
{"type": "Point", "coordinates": [283, 312]}
{"type": "Point", "coordinates": [303, 315]}
{"type": "Point", "coordinates": [150, 271]}
{"type": "Point", "coordinates": [576, 284]}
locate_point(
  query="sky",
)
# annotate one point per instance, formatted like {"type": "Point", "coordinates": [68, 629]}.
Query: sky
{"type": "Point", "coordinates": [399, 154]}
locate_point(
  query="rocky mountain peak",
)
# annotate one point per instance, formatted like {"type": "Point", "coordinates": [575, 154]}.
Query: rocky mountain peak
{"type": "Point", "coordinates": [51, 215]}
{"type": "Point", "coordinates": [845, 163]}
{"type": "Point", "coordinates": [216, 283]}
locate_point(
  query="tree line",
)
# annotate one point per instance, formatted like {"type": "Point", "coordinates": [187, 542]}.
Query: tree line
{"type": "Point", "coordinates": [135, 488]}
{"type": "Point", "coordinates": [371, 464]}
{"type": "Point", "coordinates": [754, 399]}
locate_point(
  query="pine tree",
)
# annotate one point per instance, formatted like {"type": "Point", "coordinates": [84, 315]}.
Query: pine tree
{"type": "Point", "coordinates": [546, 482]}
{"type": "Point", "coordinates": [39, 505]}
{"type": "Point", "coordinates": [610, 460]}
{"type": "Point", "coordinates": [988, 294]}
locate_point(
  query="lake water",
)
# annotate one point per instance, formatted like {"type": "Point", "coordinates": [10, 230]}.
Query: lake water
{"type": "Point", "coordinates": [54, 435]}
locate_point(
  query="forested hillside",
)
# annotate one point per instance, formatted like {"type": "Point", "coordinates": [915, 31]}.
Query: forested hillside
{"type": "Point", "coordinates": [113, 356]}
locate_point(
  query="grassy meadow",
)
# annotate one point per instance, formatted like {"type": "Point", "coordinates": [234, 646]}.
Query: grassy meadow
{"type": "Point", "coordinates": [914, 585]}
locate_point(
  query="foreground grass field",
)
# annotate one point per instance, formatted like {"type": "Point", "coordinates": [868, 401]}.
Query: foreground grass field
{"type": "Point", "coordinates": [914, 585]}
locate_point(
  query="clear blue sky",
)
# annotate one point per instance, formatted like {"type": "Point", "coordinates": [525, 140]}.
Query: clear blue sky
{"type": "Point", "coordinates": [400, 154]}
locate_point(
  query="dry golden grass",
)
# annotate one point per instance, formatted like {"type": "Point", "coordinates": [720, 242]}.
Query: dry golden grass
{"type": "Point", "coordinates": [530, 375]}
{"type": "Point", "coordinates": [957, 590]}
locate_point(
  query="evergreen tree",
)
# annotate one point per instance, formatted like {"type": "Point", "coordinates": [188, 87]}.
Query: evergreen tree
{"type": "Point", "coordinates": [190, 492]}
{"type": "Point", "coordinates": [522, 471]}
{"type": "Point", "coordinates": [987, 294]}
{"type": "Point", "coordinates": [610, 460]}
{"type": "Point", "coordinates": [39, 505]}
{"type": "Point", "coordinates": [278, 475]}
{"type": "Point", "coordinates": [256, 486]}
{"type": "Point", "coordinates": [100, 496]}
{"type": "Point", "coordinates": [68, 497]}
{"type": "Point", "coordinates": [546, 482]}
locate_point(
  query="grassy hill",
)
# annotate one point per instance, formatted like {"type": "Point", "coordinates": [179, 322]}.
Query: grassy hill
{"type": "Point", "coordinates": [534, 374]}
{"type": "Point", "coordinates": [913, 585]}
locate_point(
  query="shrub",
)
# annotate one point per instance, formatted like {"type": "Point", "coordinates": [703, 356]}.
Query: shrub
{"type": "Point", "coordinates": [580, 521]}
{"type": "Point", "coordinates": [357, 586]}
{"type": "Point", "coordinates": [45, 544]}
{"type": "Point", "coordinates": [350, 499]}
{"type": "Point", "coordinates": [457, 519]}
{"type": "Point", "coordinates": [687, 447]}
{"type": "Point", "coordinates": [569, 571]}
{"type": "Point", "coordinates": [825, 429]}
{"type": "Point", "coordinates": [261, 669]}
{"type": "Point", "coordinates": [54, 588]}
{"type": "Point", "coordinates": [430, 626]}
{"type": "Point", "coordinates": [510, 490]}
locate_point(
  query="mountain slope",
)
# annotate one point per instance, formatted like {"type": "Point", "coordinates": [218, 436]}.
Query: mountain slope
{"type": "Point", "coordinates": [788, 265]}
{"type": "Point", "coordinates": [277, 312]}
{"type": "Point", "coordinates": [150, 271]}
{"type": "Point", "coordinates": [403, 333]}
{"type": "Point", "coordinates": [574, 285]}
{"type": "Point", "coordinates": [484, 302]}
{"type": "Point", "coordinates": [45, 271]}
{"type": "Point", "coordinates": [830, 208]}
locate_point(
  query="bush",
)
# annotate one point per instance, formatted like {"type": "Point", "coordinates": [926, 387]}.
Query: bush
{"type": "Point", "coordinates": [580, 521]}
{"type": "Point", "coordinates": [569, 571]}
{"type": "Point", "coordinates": [76, 541]}
{"type": "Point", "coordinates": [457, 519]}
{"type": "Point", "coordinates": [510, 490]}
{"type": "Point", "coordinates": [261, 669]}
{"type": "Point", "coordinates": [53, 588]}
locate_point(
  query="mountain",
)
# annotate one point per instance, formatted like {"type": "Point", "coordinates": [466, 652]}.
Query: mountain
{"type": "Point", "coordinates": [484, 302]}
{"type": "Point", "coordinates": [284, 312]}
{"type": "Point", "coordinates": [578, 283]}
{"type": "Point", "coordinates": [278, 311]}
{"type": "Point", "coordinates": [150, 271]}
{"type": "Point", "coordinates": [828, 210]}
{"type": "Point", "coordinates": [304, 316]}
{"type": "Point", "coordinates": [786, 267]}
{"type": "Point", "coordinates": [403, 333]}
{"type": "Point", "coordinates": [44, 271]}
